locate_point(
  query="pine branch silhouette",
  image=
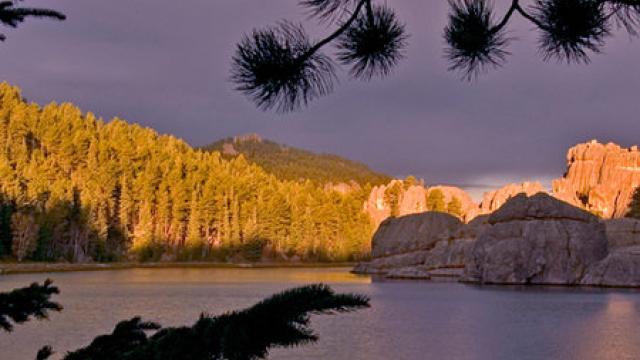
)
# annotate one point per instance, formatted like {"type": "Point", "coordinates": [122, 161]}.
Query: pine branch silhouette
{"type": "Point", "coordinates": [20, 305]}
{"type": "Point", "coordinates": [12, 16]}
{"type": "Point", "coordinates": [371, 41]}
{"type": "Point", "coordinates": [281, 320]}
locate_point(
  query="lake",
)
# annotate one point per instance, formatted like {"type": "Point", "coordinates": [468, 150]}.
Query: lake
{"type": "Point", "coordinates": [407, 320]}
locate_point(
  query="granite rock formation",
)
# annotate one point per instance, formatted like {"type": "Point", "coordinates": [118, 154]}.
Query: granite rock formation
{"type": "Point", "coordinates": [439, 251]}
{"type": "Point", "coordinates": [621, 267]}
{"type": "Point", "coordinates": [412, 200]}
{"type": "Point", "coordinates": [623, 232]}
{"type": "Point", "coordinates": [407, 241]}
{"type": "Point", "coordinates": [600, 178]}
{"type": "Point", "coordinates": [537, 240]}
{"type": "Point", "coordinates": [493, 200]}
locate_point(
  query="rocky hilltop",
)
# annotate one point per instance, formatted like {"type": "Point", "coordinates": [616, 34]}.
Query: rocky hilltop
{"type": "Point", "coordinates": [600, 178]}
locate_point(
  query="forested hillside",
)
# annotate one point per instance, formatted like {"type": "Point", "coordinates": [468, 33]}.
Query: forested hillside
{"type": "Point", "coordinates": [294, 164]}
{"type": "Point", "coordinates": [77, 188]}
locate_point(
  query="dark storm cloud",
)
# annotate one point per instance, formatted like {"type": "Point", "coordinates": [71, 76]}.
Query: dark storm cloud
{"type": "Point", "coordinates": [165, 64]}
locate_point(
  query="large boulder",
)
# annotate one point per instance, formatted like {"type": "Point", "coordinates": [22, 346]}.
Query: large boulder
{"type": "Point", "coordinates": [536, 240]}
{"type": "Point", "coordinates": [412, 233]}
{"type": "Point", "coordinates": [623, 232]}
{"type": "Point", "coordinates": [454, 251]}
{"type": "Point", "coordinates": [621, 268]}
{"type": "Point", "coordinates": [407, 240]}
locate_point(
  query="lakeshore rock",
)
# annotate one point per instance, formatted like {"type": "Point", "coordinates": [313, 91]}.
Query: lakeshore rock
{"type": "Point", "coordinates": [537, 240]}
{"type": "Point", "coordinates": [408, 240]}
{"type": "Point", "coordinates": [621, 268]}
{"type": "Point", "coordinates": [623, 232]}
{"type": "Point", "coordinates": [422, 246]}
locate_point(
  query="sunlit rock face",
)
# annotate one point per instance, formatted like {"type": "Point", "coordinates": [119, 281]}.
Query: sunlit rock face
{"type": "Point", "coordinates": [412, 200]}
{"type": "Point", "coordinates": [600, 178]}
{"type": "Point", "coordinates": [493, 200]}
{"type": "Point", "coordinates": [537, 240]}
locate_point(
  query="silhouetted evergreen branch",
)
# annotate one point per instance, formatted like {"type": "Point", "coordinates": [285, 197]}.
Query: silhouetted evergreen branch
{"type": "Point", "coordinates": [11, 15]}
{"type": "Point", "coordinates": [372, 41]}
{"type": "Point", "coordinates": [280, 320]}
{"type": "Point", "coordinates": [21, 304]}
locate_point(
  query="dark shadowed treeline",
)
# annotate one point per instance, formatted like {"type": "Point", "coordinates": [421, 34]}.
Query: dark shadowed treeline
{"type": "Point", "coordinates": [76, 188]}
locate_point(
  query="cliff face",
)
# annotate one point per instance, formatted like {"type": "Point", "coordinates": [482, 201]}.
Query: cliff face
{"type": "Point", "coordinates": [600, 178]}
{"type": "Point", "coordinates": [493, 200]}
{"type": "Point", "coordinates": [412, 200]}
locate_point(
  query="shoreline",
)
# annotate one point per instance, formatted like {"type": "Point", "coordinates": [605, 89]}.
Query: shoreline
{"type": "Point", "coordinates": [34, 268]}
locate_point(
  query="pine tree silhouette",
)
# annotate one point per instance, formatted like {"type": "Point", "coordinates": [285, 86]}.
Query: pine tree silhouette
{"type": "Point", "coordinates": [280, 67]}
{"type": "Point", "coordinates": [12, 15]}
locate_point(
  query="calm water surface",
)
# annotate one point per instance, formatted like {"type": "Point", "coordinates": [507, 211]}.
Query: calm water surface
{"type": "Point", "coordinates": [408, 320]}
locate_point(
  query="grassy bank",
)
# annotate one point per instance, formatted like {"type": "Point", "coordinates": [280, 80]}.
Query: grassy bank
{"type": "Point", "coordinates": [41, 267]}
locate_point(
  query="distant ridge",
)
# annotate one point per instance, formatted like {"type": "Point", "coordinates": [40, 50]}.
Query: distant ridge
{"type": "Point", "coordinates": [292, 163]}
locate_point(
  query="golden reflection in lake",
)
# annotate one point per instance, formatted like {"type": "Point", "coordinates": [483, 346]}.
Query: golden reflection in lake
{"type": "Point", "coordinates": [611, 333]}
{"type": "Point", "coordinates": [245, 275]}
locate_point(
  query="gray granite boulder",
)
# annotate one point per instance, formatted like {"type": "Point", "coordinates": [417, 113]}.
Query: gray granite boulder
{"type": "Point", "coordinates": [623, 232]}
{"type": "Point", "coordinates": [536, 240]}
{"type": "Point", "coordinates": [621, 268]}
{"type": "Point", "coordinates": [407, 241]}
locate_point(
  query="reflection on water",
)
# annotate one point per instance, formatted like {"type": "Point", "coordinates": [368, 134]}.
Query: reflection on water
{"type": "Point", "coordinates": [408, 320]}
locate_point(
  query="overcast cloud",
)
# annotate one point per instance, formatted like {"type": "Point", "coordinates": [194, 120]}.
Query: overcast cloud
{"type": "Point", "coordinates": [165, 64]}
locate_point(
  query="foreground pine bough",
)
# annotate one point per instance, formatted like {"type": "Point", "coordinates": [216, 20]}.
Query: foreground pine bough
{"type": "Point", "coordinates": [19, 305]}
{"type": "Point", "coordinates": [281, 320]}
{"type": "Point", "coordinates": [281, 67]}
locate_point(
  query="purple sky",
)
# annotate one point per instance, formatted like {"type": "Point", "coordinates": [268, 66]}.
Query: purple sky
{"type": "Point", "coordinates": [165, 64]}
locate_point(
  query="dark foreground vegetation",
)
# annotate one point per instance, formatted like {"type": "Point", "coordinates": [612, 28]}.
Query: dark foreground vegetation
{"type": "Point", "coordinates": [281, 320]}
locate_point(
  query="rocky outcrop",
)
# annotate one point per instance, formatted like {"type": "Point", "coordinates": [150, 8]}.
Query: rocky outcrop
{"type": "Point", "coordinates": [600, 178]}
{"type": "Point", "coordinates": [530, 240]}
{"type": "Point", "coordinates": [621, 267]}
{"type": "Point", "coordinates": [412, 232]}
{"type": "Point", "coordinates": [439, 248]}
{"type": "Point", "coordinates": [406, 241]}
{"type": "Point", "coordinates": [622, 232]}
{"type": "Point", "coordinates": [412, 200]}
{"type": "Point", "coordinates": [493, 200]}
{"type": "Point", "coordinates": [469, 208]}
{"type": "Point", "coordinates": [537, 240]}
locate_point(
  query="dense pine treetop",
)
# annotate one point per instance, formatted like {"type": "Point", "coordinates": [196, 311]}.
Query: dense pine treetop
{"type": "Point", "coordinates": [291, 163]}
